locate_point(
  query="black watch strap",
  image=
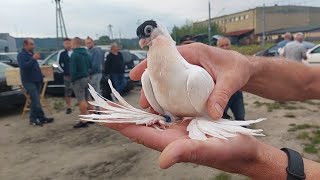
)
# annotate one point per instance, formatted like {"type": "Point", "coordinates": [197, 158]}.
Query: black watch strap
{"type": "Point", "coordinates": [295, 167]}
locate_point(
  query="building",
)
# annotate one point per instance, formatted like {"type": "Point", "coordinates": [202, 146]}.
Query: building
{"type": "Point", "coordinates": [247, 26]}
{"type": "Point", "coordinates": [7, 43]}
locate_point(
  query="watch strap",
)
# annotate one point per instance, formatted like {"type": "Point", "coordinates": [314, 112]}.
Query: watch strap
{"type": "Point", "coordinates": [295, 167]}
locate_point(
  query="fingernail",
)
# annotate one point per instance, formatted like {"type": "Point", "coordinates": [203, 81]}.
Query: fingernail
{"type": "Point", "coordinates": [218, 109]}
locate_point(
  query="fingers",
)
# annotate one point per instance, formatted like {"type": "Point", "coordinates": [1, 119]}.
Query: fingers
{"type": "Point", "coordinates": [137, 71]}
{"type": "Point", "coordinates": [143, 100]}
{"type": "Point", "coordinates": [220, 96]}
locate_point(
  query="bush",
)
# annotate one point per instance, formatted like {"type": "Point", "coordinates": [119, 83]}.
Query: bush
{"type": "Point", "coordinates": [251, 49]}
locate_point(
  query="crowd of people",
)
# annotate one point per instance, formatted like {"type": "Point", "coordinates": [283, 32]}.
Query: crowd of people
{"type": "Point", "coordinates": [81, 66]}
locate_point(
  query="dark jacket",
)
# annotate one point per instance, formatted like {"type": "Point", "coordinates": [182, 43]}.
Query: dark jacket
{"type": "Point", "coordinates": [80, 64]}
{"type": "Point", "coordinates": [64, 62]}
{"type": "Point", "coordinates": [29, 68]}
{"type": "Point", "coordinates": [114, 64]}
{"type": "Point", "coordinates": [97, 60]}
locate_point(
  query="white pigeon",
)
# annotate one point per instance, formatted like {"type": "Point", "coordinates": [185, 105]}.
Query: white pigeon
{"type": "Point", "coordinates": [174, 88]}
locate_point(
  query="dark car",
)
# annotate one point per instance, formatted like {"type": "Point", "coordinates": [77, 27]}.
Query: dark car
{"type": "Point", "coordinates": [271, 52]}
{"type": "Point", "coordinates": [9, 95]}
{"type": "Point", "coordinates": [57, 86]}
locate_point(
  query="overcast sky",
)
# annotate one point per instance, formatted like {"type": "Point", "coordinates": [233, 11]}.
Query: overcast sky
{"type": "Point", "coordinates": [36, 18]}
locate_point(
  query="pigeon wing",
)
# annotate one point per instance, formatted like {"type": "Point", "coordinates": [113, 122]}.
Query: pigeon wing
{"type": "Point", "coordinates": [200, 85]}
{"type": "Point", "coordinates": [148, 92]}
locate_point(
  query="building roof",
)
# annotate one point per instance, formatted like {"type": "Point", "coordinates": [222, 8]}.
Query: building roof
{"type": "Point", "coordinates": [239, 33]}
{"type": "Point", "coordinates": [258, 7]}
{"type": "Point", "coordinates": [295, 29]}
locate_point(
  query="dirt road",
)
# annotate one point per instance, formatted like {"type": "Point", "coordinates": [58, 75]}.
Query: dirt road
{"type": "Point", "coordinates": [59, 152]}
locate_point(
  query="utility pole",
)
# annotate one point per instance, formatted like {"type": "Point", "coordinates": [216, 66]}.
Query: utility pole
{"type": "Point", "coordinates": [62, 33]}
{"type": "Point", "coordinates": [263, 26]}
{"type": "Point", "coordinates": [110, 31]}
{"type": "Point", "coordinates": [209, 24]}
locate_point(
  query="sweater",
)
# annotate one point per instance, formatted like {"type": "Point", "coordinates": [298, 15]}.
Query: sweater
{"type": "Point", "coordinates": [79, 64]}
{"type": "Point", "coordinates": [114, 64]}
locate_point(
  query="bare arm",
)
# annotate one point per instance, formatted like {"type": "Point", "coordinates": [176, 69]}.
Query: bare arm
{"type": "Point", "coordinates": [283, 80]}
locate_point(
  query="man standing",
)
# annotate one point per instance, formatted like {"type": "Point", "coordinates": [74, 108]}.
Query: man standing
{"type": "Point", "coordinates": [97, 60]}
{"type": "Point", "coordinates": [236, 101]}
{"type": "Point", "coordinates": [64, 62]}
{"type": "Point", "coordinates": [287, 38]}
{"type": "Point", "coordinates": [32, 80]}
{"type": "Point", "coordinates": [79, 70]}
{"type": "Point", "coordinates": [115, 67]}
{"type": "Point", "coordinates": [295, 50]}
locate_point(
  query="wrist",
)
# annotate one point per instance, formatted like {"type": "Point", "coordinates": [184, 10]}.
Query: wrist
{"type": "Point", "coordinates": [270, 163]}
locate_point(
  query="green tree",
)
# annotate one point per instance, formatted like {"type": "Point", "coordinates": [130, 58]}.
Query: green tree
{"type": "Point", "coordinates": [189, 29]}
{"type": "Point", "coordinates": [103, 40]}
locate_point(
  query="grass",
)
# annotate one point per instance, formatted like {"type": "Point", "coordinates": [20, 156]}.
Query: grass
{"type": "Point", "coordinates": [251, 49]}
{"type": "Point", "coordinates": [222, 176]}
{"type": "Point", "coordinates": [58, 105]}
{"type": "Point", "coordinates": [277, 105]}
{"type": "Point", "coordinates": [303, 135]}
{"type": "Point", "coordinates": [289, 115]}
{"type": "Point", "coordinates": [311, 149]}
{"type": "Point", "coordinates": [311, 103]}
{"type": "Point", "coordinates": [310, 135]}
{"type": "Point", "coordinates": [300, 127]}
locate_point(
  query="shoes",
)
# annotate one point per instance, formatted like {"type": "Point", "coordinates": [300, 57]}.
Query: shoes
{"type": "Point", "coordinates": [46, 120]}
{"type": "Point", "coordinates": [69, 111]}
{"type": "Point", "coordinates": [36, 123]}
{"type": "Point", "coordinates": [80, 125]}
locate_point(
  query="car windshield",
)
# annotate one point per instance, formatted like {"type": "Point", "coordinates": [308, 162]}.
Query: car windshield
{"type": "Point", "coordinates": [140, 54]}
{"type": "Point", "coordinates": [13, 56]}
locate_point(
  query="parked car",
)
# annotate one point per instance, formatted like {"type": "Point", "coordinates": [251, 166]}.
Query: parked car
{"type": "Point", "coordinates": [274, 50]}
{"type": "Point", "coordinates": [9, 95]}
{"type": "Point", "coordinates": [140, 54]}
{"type": "Point", "coordinates": [9, 58]}
{"type": "Point", "coordinates": [271, 52]}
{"type": "Point", "coordinates": [57, 86]}
{"type": "Point", "coordinates": [314, 55]}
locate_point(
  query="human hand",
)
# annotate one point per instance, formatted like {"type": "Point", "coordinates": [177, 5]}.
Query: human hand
{"type": "Point", "coordinates": [242, 154]}
{"type": "Point", "coordinates": [36, 56]}
{"type": "Point", "coordinates": [229, 69]}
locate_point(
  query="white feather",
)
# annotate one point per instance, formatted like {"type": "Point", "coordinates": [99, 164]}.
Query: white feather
{"type": "Point", "coordinates": [198, 128]}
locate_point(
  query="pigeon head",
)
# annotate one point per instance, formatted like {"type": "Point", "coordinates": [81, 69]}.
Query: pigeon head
{"type": "Point", "coordinates": [150, 30]}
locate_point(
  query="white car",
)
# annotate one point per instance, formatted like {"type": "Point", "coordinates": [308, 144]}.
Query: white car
{"type": "Point", "coordinates": [314, 55]}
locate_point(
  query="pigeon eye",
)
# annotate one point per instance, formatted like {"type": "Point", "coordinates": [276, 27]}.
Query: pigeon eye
{"type": "Point", "coordinates": [147, 30]}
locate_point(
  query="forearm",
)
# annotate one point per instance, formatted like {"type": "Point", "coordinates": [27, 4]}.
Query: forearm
{"type": "Point", "coordinates": [272, 163]}
{"type": "Point", "coordinates": [283, 80]}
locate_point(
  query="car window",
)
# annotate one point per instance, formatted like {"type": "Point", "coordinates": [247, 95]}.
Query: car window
{"type": "Point", "coordinates": [273, 49]}
{"type": "Point", "coordinates": [315, 51]}
{"type": "Point", "coordinates": [4, 58]}
{"type": "Point", "coordinates": [52, 59]}
{"type": "Point", "coordinates": [3, 68]}
{"type": "Point", "coordinates": [134, 57]}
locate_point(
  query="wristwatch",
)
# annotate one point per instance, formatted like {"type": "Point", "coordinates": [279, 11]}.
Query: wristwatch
{"type": "Point", "coordinates": [295, 167]}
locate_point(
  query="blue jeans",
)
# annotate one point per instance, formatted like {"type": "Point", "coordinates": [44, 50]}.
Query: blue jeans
{"type": "Point", "coordinates": [34, 90]}
{"type": "Point", "coordinates": [237, 106]}
{"type": "Point", "coordinates": [119, 82]}
{"type": "Point", "coordinates": [95, 80]}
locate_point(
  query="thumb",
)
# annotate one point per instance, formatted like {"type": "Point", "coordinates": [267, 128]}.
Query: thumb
{"type": "Point", "coordinates": [184, 150]}
{"type": "Point", "coordinates": [225, 87]}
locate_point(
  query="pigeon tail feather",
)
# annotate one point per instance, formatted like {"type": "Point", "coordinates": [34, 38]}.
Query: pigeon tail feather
{"type": "Point", "coordinates": [199, 128]}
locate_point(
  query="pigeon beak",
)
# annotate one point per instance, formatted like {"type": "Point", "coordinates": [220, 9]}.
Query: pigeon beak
{"type": "Point", "coordinates": [144, 42]}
